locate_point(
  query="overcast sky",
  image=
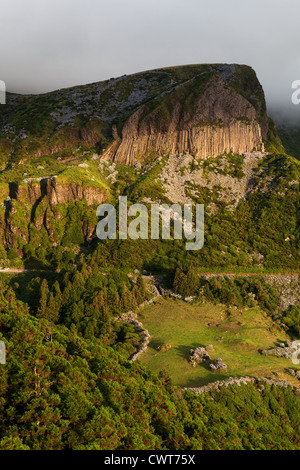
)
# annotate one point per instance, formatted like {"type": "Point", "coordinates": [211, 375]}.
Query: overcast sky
{"type": "Point", "coordinates": [51, 44]}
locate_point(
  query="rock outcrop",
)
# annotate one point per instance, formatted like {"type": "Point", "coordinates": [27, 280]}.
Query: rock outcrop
{"type": "Point", "coordinates": [287, 350]}
{"type": "Point", "coordinates": [62, 193]}
{"type": "Point", "coordinates": [36, 202]}
{"type": "Point", "coordinates": [218, 364]}
{"type": "Point", "coordinates": [294, 373]}
{"type": "Point", "coordinates": [34, 189]}
{"type": "Point", "coordinates": [204, 109]}
{"type": "Point", "coordinates": [198, 356]}
{"type": "Point", "coordinates": [205, 118]}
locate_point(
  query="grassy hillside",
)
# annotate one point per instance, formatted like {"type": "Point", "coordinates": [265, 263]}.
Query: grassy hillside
{"type": "Point", "coordinates": [237, 335]}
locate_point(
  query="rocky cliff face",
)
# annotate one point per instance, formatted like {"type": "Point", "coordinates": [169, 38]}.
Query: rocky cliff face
{"type": "Point", "coordinates": [205, 110]}
{"type": "Point", "coordinates": [63, 193]}
{"type": "Point", "coordinates": [55, 193]}
{"type": "Point", "coordinates": [45, 203]}
{"type": "Point", "coordinates": [204, 117]}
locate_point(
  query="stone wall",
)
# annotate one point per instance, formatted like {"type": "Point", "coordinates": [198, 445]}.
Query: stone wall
{"type": "Point", "coordinates": [259, 381]}
{"type": "Point", "coordinates": [131, 317]}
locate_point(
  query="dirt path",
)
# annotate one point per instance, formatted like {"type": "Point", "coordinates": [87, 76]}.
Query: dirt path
{"type": "Point", "coordinates": [22, 270]}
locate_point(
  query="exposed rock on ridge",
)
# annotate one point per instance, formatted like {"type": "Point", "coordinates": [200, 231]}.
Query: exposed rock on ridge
{"type": "Point", "coordinates": [204, 117]}
{"type": "Point", "coordinates": [36, 202]}
{"type": "Point", "coordinates": [57, 193]}
{"type": "Point", "coordinates": [62, 193]}
{"type": "Point", "coordinates": [204, 109]}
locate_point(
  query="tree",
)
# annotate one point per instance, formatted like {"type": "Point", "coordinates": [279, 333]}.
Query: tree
{"type": "Point", "coordinates": [42, 311]}
{"type": "Point", "coordinates": [186, 282]}
{"type": "Point", "coordinates": [140, 291]}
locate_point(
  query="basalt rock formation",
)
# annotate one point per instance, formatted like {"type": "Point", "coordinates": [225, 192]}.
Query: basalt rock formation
{"type": "Point", "coordinates": [204, 110]}
{"type": "Point", "coordinates": [204, 117]}
{"type": "Point", "coordinates": [56, 193]}
{"type": "Point", "coordinates": [45, 204]}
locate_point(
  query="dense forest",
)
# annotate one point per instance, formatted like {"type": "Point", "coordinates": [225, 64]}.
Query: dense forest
{"type": "Point", "coordinates": [68, 384]}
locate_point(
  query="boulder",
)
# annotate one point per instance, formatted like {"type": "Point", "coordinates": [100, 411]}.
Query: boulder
{"type": "Point", "coordinates": [218, 364]}
{"type": "Point", "coordinates": [198, 356]}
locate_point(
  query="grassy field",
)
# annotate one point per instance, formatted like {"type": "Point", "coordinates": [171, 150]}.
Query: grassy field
{"type": "Point", "coordinates": [237, 335]}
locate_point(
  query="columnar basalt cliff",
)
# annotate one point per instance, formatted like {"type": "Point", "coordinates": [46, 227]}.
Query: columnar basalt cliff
{"type": "Point", "coordinates": [62, 193]}
{"type": "Point", "coordinates": [44, 203]}
{"type": "Point", "coordinates": [205, 110]}
{"type": "Point", "coordinates": [204, 117]}
{"type": "Point", "coordinates": [56, 193]}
